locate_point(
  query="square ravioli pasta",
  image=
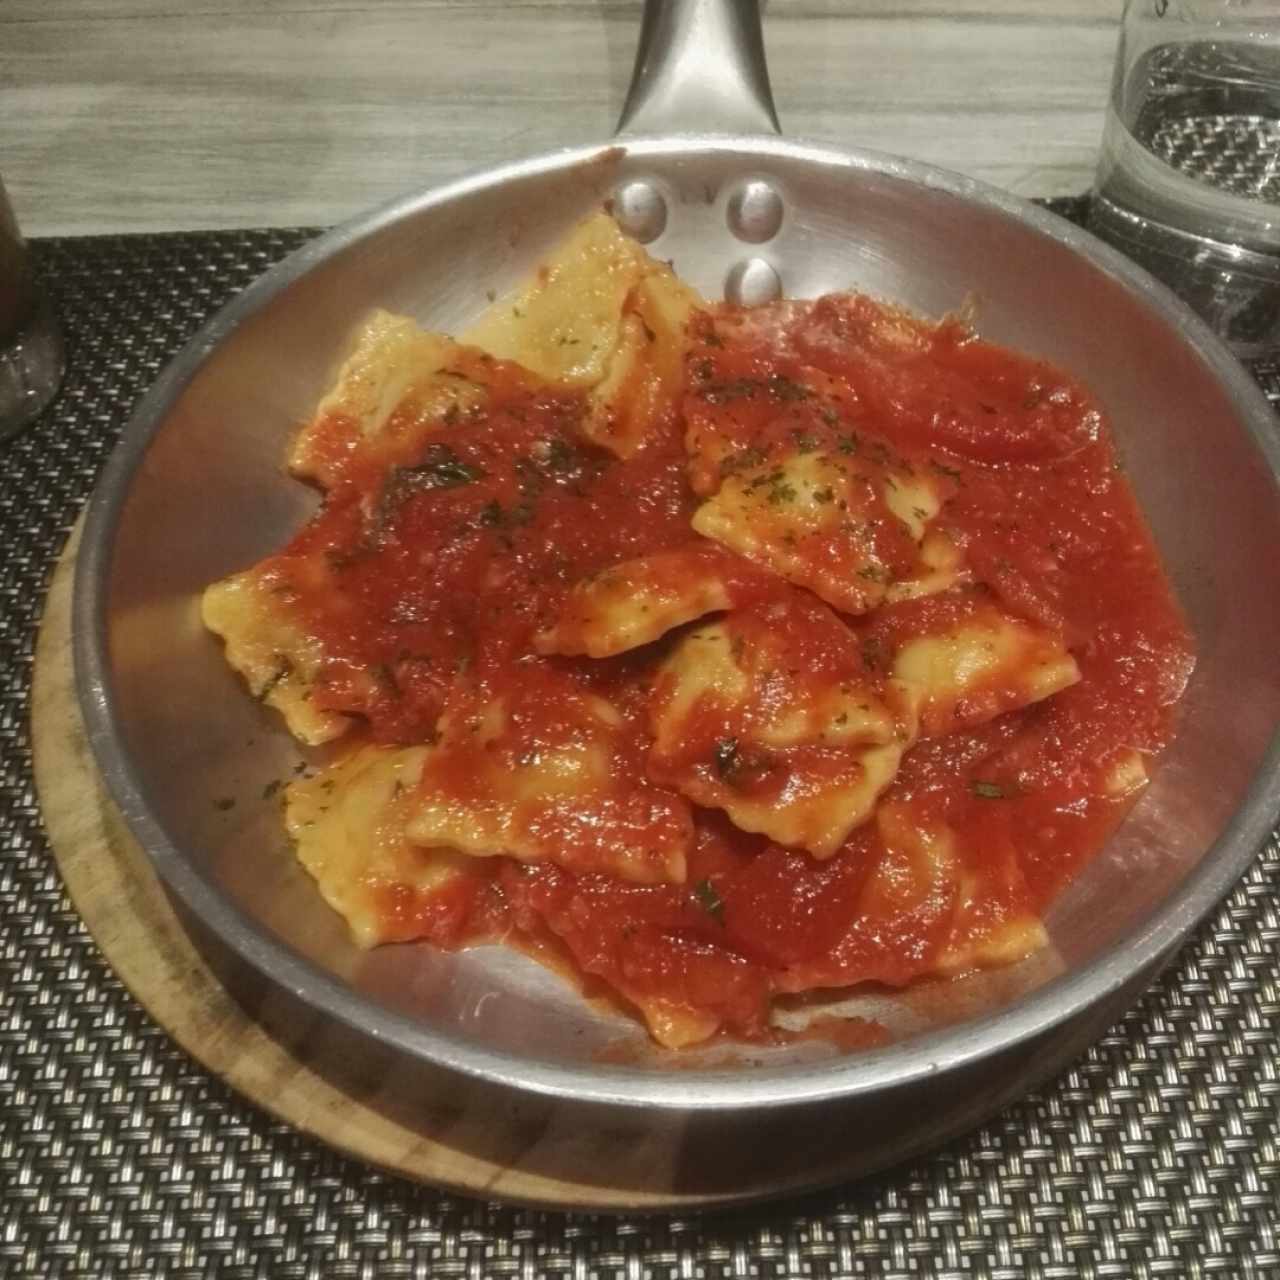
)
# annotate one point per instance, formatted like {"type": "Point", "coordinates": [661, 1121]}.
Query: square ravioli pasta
{"type": "Point", "coordinates": [771, 715]}
{"type": "Point", "coordinates": [714, 655]}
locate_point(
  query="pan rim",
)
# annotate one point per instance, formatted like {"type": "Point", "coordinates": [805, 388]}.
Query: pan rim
{"type": "Point", "coordinates": [930, 1055]}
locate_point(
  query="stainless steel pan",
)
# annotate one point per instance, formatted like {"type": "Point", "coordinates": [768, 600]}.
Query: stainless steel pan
{"type": "Point", "coordinates": [195, 491]}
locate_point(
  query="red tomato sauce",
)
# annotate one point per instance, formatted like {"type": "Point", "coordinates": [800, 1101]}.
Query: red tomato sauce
{"type": "Point", "coordinates": [454, 553]}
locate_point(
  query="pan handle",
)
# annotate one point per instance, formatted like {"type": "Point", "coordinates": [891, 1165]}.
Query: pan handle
{"type": "Point", "coordinates": [700, 66]}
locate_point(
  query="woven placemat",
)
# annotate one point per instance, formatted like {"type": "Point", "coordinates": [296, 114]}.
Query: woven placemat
{"type": "Point", "coordinates": [1156, 1155]}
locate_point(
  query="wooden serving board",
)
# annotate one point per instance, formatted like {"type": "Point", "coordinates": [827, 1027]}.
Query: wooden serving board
{"type": "Point", "coordinates": [424, 1122]}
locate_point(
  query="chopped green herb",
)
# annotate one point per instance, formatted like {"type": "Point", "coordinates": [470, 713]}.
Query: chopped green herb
{"type": "Point", "coordinates": [440, 468]}
{"type": "Point", "coordinates": [521, 513]}
{"type": "Point", "coordinates": [724, 392]}
{"type": "Point", "coordinates": [988, 790]}
{"type": "Point", "coordinates": [338, 560]}
{"type": "Point", "coordinates": [766, 477]}
{"type": "Point", "coordinates": [781, 492]}
{"type": "Point", "coordinates": [709, 900]}
{"type": "Point", "coordinates": [271, 788]}
{"type": "Point", "coordinates": [743, 460]}
{"type": "Point", "coordinates": [848, 443]}
{"type": "Point", "coordinates": [873, 653]}
{"type": "Point", "coordinates": [726, 757]}
{"type": "Point", "coordinates": [783, 388]}
{"type": "Point", "coordinates": [384, 675]}
{"type": "Point", "coordinates": [561, 455]}
{"type": "Point", "coordinates": [824, 495]}
{"type": "Point", "coordinates": [224, 803]}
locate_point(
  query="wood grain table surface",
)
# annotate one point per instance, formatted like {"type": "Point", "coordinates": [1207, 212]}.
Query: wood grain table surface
{"type": "Point", "coordinates": [150, 115]}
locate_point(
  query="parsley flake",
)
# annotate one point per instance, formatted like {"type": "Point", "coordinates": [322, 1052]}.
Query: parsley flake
{"type": "Point", "coordinates": [726, 757]}
{"type": "Point", "coordinates": [709, 900]}
{"type": "Point", "coordinates": [440, 468]}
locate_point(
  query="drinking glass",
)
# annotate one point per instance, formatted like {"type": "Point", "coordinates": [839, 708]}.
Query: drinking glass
{"type": "Point", "coordinates": [31, 356]}
{"type": "Point", "coordinates": [1189, 179]}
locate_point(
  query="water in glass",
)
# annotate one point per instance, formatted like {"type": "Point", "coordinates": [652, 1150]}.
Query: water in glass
{"type": "Point", "coordinates": [1189, 178]}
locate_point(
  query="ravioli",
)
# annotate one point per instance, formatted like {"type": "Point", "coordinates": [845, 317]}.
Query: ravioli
{"type": "Point", "coordinates": [918, 870]}
{"type": "Point", "coordinates": [992, 944]}
{"type": "Point", "coordinates": [967, 895]}
{"type": "Point", "coordinates": [348, 826]}
{"type": "Point", "coordinates": [641, 390]}
{"type": "Point", "coordinates": [398, 384]}
{"type": "Point", "coordinates": [836, 526]}
{"type": "Point", "coordinates": [972, 668]}
{"type": "Point", "coordinates": [994, 922]}
{"type": "Point", "coordinates": [270, 646]}
{"type": "Point", "coordinates": [770, 715]}
{"type": "Point", "coordinates": [655, 946]}
{"type": "Point", "coordinates": [638, 601]}
{"type": "Point", "coordinates": [602, 315]}
{"type": "Point", "coordinates": [532, 766]}
{"type": "Point", "coordinates": [565, 324]}
{"type": "Point", "coordinates": [794, 482]}
{"type": "Point", "coordinates": [686, 988]}
{"type": "Point", "coordinates": [675, 1024]}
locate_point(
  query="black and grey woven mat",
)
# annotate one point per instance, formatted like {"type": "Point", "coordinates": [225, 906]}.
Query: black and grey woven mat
{"type": "Point", "coordinates": [1156, 1155]}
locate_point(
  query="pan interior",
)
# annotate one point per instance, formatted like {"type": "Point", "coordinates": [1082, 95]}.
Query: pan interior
{"type": "Point", "coordinates": [200, 492]}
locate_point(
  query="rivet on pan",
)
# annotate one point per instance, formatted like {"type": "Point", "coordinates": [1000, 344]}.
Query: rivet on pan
{"type": "Point", "coordinates": [754, 212]}
{"type": "Point", "coordinates": [640, 210]}
{"type": "Point", "coordinates": [751, 282]}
